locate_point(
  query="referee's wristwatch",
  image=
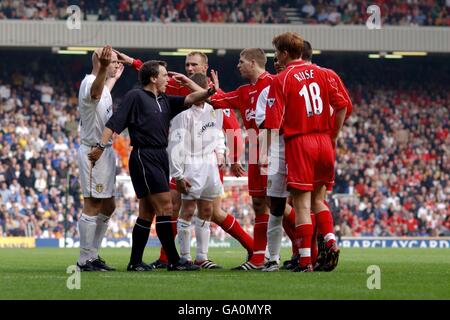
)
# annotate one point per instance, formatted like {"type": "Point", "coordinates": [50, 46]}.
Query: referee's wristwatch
{"type": "Point", "coordinates": [100, 146]}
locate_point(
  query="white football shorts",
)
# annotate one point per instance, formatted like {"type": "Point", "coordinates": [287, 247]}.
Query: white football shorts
{"type": "Point", "coordinates": [205, 181]}
{"type": "Point", "coordinates": [97, 181]}
{"type": "Point", "coordinates": [276, 178]}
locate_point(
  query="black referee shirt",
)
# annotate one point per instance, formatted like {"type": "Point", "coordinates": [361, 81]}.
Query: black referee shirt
{"type": "Point", "coordinates": [147, 117]}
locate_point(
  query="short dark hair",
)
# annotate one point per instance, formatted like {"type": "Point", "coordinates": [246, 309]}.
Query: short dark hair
{"type": "Point", "coordinates": [307, 52]}
{"type": "Point", "coordinates": [200, 79]}
{"type": "Point", "coordinates": [150, 69]}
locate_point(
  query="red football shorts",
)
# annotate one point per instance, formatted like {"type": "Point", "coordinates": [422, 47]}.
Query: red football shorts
{"type": "Point", "coordinates": [257, 182]}
{"type": "Point", "coordinates": [310, 162]}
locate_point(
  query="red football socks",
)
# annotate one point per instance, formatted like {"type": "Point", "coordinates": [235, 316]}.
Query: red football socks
{"type": "Point", "coordinates": [325, 227]}
{"type": "Point", "coordinates": [233, 228]}
{"type": "Point", "coordinates": [304, 233]}
{"type": "Point", "coordinates": [314, 249]}
{"type": "Point", "coordinates": [259, 239]}
{"type": "Point", "coordinates": [289, 228]}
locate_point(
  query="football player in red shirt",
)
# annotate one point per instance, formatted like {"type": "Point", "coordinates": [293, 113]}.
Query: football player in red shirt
{"type": "Point", "coordinates": [197, 62]}
{"type": "Point", "coordinates": [298, 105]}
{"type": "Point", "coordinates": [325, 223]}
{"type": "Point", "coordinates": [251, 66]}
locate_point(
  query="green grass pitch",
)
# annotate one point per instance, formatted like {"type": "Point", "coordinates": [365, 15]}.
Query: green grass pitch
{"type": "Point", "coordinates": [405, 274]}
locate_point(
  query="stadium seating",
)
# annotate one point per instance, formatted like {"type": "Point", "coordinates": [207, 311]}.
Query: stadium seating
{"type": "Point", "coordinates": [394, 12]}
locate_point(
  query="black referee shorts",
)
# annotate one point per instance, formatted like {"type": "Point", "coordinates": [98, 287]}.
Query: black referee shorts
{"type": "Point", "coordinates": [149, 171]}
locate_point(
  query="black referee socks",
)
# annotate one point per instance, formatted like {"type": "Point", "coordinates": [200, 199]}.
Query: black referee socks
{"type": "Point", "coordinates": [141, 231]}
{"type": "Point", "coordinates": [165, 235]}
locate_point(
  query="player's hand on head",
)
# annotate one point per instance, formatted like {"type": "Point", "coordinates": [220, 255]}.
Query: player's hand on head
{"type": "Point", "coordinates": [105, 56]}
{"type": "Point", "coordinates": [123, 58]}
{"type": "Point", "coordinates": [237, 169]}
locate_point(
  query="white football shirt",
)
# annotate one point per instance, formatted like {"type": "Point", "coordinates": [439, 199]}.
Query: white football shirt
{"type": "Point", "coordinates": [93, 113]}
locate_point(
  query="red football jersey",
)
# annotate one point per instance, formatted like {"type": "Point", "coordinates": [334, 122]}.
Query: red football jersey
{"type": "Point", "coordinates": [244, 98]}
{"type": "Point", "coordinates": [299, 100]}
{"type": "Point", "coordinates": [342, 89]}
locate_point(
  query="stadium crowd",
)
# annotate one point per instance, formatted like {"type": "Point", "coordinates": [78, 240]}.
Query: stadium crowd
{"type": "Point", "coordinates": [392, 166]}
{"type": "Point", "coordinates": [332, 12]}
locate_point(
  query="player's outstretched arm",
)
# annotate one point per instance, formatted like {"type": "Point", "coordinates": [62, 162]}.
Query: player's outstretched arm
{"type": "Point", "coordinates": [199, 96]}
{"type": "Point", "coordinates": [185, 81]}
{"type": "Point", "coordinates": [104, 59]}
{"type": "Point", "coordinates": [129, 61]}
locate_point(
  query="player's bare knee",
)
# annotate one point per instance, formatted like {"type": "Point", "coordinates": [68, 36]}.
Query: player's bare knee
{"type": "Point", "coordinates": [108, 207]}
{"type": "Point", "coordinates": [206, 213]}
{"type": "Point", "coordinates": [259, 205]}
{"type": "Point", "coordinates": [92, 206]}
{"type": "Point", "coordinates": [146, 215]}
{"type": "Point", "coordinates": [303, 206]}
{"type": "Point", "coordinates": [187, 215]}
{"type": "Point", "coordinates": [176, 209]}
{"type": "Point", "coordinates": [167, 209]}
{"type": "Point", "coordinates": [187, 210]}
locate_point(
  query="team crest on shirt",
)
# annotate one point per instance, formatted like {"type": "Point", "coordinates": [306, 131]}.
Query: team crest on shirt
{"type": "Point", "coordinates": [227, 112]}
{"type": "Point", "coordinates": [99, 187]}
{"type": "Point", "coordinates": [270, 102]}
{"type": "Point", "coordinates": [213, 113]}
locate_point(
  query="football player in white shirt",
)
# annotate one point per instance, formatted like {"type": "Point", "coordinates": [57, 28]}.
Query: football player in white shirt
{"type": "Point", "coordinates": [97, 179]}
{"type": "Point", "coordinates": [196, 141]}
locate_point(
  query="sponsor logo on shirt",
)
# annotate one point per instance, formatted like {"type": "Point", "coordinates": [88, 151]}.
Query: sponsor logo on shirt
{"type": "Point", "coordinates": [250, 114]}
{"type": "Point", "coordinates": [206, 126]}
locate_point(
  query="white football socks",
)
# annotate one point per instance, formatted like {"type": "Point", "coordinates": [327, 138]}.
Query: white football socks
{"type": "Point", "coordinates": [102, 226]}
{"type": "Point", "coordinates": [274, 235]}
{"type": "Point", "coordinates": [87, 226]}
{"type": "Point", "coordinates": [184, 237]}
{"type": "Point", "coordinates": [202, 235]}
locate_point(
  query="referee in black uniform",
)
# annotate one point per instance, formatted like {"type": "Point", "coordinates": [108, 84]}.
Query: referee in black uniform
{"type": "Point", "coordinates": [147, 112]}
